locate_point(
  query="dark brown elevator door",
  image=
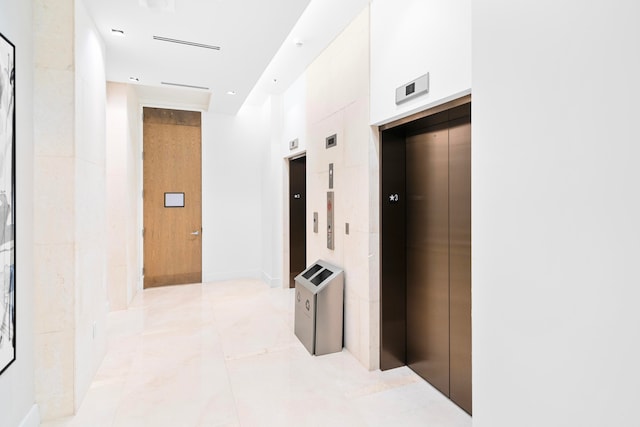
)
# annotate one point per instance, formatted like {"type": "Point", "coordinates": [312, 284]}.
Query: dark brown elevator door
{"type": "Point", "coordinates": [460, 261]}
{"type": "Point", "coordinates": [438, 185]}
{"type": "Point", "coordinates": [297, 217]}
{"type": "Point", "coordinates": [428, 256]}
{"type": "Point", "coordinates": [425, 251]}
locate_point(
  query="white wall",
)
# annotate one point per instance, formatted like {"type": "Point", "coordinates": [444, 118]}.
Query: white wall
{"type": "Point", "coordinates": [123, 170]}
{"type": "Point", "coordinates": [90, 201]}
{"type": "Point", "coordinates": [410, 38]}
{"type": "Point", "coordinates": [134, 243]}
{"type": "Point", "coordinates": [556, 208]}
{"type": "Point", "coordinates": [294, 117]}
{"type": "Point", "coordinates": [289, 112]}
{"type": "Point", "coordinates": [233, 155]}
{"type": "Point", "coordinates": [272, 196]}
{"type": "Point", "coordinates": [17, 395]}
{"type": "Point", "coordinates": [116, 170]}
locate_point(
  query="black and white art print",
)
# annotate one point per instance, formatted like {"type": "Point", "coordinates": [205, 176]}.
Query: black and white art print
{"type": "Point", "coordinates": [7, 204]}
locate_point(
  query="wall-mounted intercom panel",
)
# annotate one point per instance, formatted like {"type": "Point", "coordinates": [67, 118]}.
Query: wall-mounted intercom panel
{"type": "Point", "coordinates": [331, 141]}
{"type": "Point", "coordinates": [412, 89]}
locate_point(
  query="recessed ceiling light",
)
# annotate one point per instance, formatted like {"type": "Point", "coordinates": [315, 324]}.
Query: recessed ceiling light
{"type": "Point", "coordinates": [231, 92]}
{"type": "Point", "coordinates": [134, 79]}
{"type": "Point", "coordinates": [117, 33]}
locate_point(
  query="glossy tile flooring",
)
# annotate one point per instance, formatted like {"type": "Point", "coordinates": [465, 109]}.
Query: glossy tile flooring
{"type": "Point", "coordinates": [224, 354]}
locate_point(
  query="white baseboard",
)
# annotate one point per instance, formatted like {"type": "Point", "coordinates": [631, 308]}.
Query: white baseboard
{"type": "Point", "coordinates": [32, 419]}
{"type": "Point", "coordinates": [274, 282]}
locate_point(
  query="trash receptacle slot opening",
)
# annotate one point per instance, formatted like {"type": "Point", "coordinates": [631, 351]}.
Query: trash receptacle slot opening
{"type": "Point", "coordinates": [311, 271]}
{"type": "Point", "coordinates": [321, 277]}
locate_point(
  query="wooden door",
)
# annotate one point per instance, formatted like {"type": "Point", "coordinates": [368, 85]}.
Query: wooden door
{"type": "Point", "coordinates": [172, 182]}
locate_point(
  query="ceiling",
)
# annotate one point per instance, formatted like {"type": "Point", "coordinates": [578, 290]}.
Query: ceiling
{"type": "Point", "coordinates": [256, 38]}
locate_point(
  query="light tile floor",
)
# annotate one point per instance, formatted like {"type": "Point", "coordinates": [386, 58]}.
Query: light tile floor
{"type": "Point", "coordinates": [224, 354]}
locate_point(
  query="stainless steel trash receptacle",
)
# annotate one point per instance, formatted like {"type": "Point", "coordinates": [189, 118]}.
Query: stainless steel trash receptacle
{"type": "Point", "coordinates": [319, 308]}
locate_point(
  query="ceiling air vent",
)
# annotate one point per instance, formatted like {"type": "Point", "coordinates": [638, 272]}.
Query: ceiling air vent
{"type": "Point", "coordinates": [184, 85]}
{"type": "Point", "coordinates": [185, 42]}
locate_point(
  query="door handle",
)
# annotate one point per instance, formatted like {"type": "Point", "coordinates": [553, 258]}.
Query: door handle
{"type": "Point", "coordinates": [196, 233]}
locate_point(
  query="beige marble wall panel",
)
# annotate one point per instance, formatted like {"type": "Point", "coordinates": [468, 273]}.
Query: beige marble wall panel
{"type": "Point", "coordinates": [374, 266]}
{"type": "Point", "coordinates": [354, 196]}
{"type": "Point", "coordinates": [54, 207]}
{"type": "Point", "coordinates": [317, 134]}
{"type": "Point", "coordinates": [357, 132]}
{"type": "Point", "coordinates": [54, 200]}
{"type": "Point", "coordinates": [54, 112]}
{"type": "Point", "coordinates": [317, 242]}
{"type": "Point", "coordinates": [54, 373]}
{"type": "Point", "coordinates": [373, 350]}
{"type": "Point", "coordinates": [337, 102]}
{"type": "Point", "coordinates": [340, 75]}
{"type": "Point", "coordinates": [366, 338]}
{"type": "Point", "coordinates": [373, 341]}
{"type": "Point", "coordinates": [54, 284]}
{"type": "Point", "coordinates": [352, 325]}
{"type": "Point", "coordinates": [374, 183]}
{"type": "Point", "coordinates": [53, 34]}
{"type": "Point", "coordinates": [356, 261]}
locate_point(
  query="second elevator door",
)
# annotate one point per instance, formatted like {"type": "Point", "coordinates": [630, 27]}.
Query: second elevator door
{"type": "Point", "coordinates": [297, 218]}
{"type": "Point", "coordinates": [438, 184]}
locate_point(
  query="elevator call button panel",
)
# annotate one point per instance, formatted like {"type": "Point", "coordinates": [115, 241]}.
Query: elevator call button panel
{"type": "Point", "coordinates": [330, 176]}
{"type": "Point", "coordinates": [330, 234]}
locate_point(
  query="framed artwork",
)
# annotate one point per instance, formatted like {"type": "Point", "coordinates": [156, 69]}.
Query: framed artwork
{"type": "Point", "coordinates": [7, 204]}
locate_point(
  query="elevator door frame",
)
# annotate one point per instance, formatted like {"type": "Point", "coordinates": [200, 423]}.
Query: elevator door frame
{"type": "Point", "coordinates": [393, 239]}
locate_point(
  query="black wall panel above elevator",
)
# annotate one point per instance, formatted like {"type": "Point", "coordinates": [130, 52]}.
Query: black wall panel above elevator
{"type": "Point", "coordinates": [426, 248]}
